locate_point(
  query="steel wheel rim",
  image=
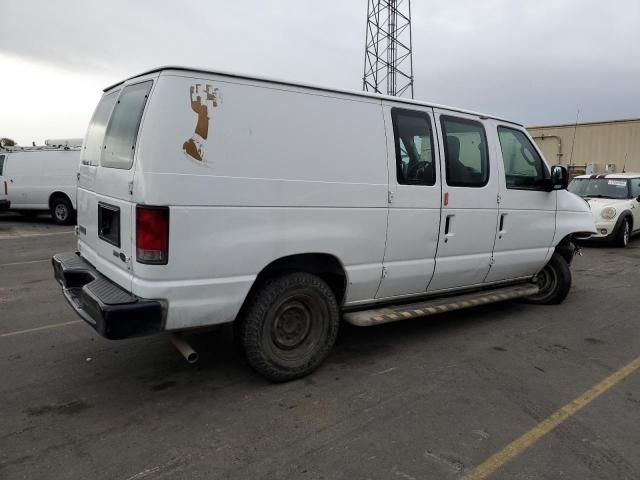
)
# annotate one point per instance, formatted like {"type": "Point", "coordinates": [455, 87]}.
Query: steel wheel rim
{"type": "Point", "coordinates": [61, 212]}
{"type": "Point", "coordinates": [546, 281]}
{"type": "Point", "coordinates": [295, 326]}
{"type": "Point", "coordinates": [291, 326]}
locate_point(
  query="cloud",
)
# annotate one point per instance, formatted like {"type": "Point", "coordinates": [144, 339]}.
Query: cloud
{"type": "Point", "coordinates": [534, 61]}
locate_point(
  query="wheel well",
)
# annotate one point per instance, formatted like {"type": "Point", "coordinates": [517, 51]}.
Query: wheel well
{"type": "Point", "coordinates": [56, 195]}
{"type": "Point", "coordinates": [323, 265]}
{"type": "Point", "coordinates": [566, 249]}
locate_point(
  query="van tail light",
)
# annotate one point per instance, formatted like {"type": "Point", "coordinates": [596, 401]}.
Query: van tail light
{"type": "Point", "coordinates": [152, 235]}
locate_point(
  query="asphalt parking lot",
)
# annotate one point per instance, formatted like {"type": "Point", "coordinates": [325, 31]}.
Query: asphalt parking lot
{"type": "Point", "coordinates": [424, 399]}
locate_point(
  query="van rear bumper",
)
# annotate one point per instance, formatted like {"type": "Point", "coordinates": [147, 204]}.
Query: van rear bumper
{"type": "Point", "coordinates": [4, 204]}
{"type": "Point", "coordinates": [110, 310]}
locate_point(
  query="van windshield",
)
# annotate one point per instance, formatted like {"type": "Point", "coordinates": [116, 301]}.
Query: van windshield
{"type": "Point", "coordinates": [600, 187]}
{"type": "Point", "coordinates": [122, 131]}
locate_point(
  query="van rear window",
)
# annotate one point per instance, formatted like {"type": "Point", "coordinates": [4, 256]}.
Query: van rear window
{"type": "Point", "coordinates": [122, 131]}
{"type": "Point", "coordinates": [95, 134]}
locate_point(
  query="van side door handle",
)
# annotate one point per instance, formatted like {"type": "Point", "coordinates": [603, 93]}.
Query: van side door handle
{"type": "Point", "coordinates": [448, 226]}
{"type": "Point", "coordinates": [501, 229]}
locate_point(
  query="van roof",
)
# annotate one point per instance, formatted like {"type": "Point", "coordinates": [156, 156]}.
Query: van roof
{"type": "Point", "coordinates": [312, 87]}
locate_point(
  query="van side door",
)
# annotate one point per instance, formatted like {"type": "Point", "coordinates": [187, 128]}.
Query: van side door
{"type": "Point", "coordinates": [414, 201]}
{"type": "Point", "coordinates": [527, 208]}
{"type": "Point", "coordinates": [469, 201]}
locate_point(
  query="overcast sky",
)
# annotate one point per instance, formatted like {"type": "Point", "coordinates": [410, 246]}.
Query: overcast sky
{"type": "Point", "coordinates": [533, 61]}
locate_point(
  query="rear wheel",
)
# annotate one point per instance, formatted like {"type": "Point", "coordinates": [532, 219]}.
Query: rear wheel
{"type": "Point", "coordinates": [289, 326]}
{"type": "Point", "coordinates": [554, 281]}
{"type": "Point", "coordinates": [623, 234]}
{"type": "Point", "coordinates": [61, 211]}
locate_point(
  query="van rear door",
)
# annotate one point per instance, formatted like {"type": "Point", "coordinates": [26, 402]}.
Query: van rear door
{"type": "Point", "coordinates": [105, 211]}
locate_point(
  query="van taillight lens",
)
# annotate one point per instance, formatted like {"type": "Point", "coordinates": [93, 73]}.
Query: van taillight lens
{"type": "Point", "coordinates": [152, 235]}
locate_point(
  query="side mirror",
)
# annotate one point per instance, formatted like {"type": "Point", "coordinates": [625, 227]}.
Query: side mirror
{"type": "Point", "coordinates": [559, 177]}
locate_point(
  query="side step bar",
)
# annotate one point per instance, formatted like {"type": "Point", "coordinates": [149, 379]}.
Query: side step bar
{"type": "Point", "coordinates": [395, 313]}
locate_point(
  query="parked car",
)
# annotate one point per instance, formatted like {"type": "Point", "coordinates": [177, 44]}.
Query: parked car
{"type": "Point", "coordinates": [42, 178]}
{"type": "Point", "coordinates": [4, 198]}
{"type": "Point", "coordinates": [615, 204]}
{"type": "Point", "coordinates": [206, 198]}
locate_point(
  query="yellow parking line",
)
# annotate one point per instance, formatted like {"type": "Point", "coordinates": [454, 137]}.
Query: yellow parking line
{"type": "Point", "coordinates": [46, 327]}
{"type": "Point", "coordinates": [515, 448]}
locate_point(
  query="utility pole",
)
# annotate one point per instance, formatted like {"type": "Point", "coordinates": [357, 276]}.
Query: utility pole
{"type": "Point", "coordinates": [388, 63]}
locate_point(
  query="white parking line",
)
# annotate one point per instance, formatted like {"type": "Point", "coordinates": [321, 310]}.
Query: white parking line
{"type": "Point", "coordinates": [24, 263]}
{"type": "Point", "coordinates": [19, 234]}
{"type": "Point", "coordinates": [46, 327]}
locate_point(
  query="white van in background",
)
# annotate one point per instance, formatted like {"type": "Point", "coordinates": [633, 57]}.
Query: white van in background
{"type": "Point", "coordinates": [208, 198]}
{"type": "Point", "coordinates": [4, 198]}
{"type": "Point", "coordinates": [43, 178]}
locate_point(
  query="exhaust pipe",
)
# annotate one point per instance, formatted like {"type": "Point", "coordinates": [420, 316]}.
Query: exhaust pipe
{"type": "Point", "coordinates": [189, 354]}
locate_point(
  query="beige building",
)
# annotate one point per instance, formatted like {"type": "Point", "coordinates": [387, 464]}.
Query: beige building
{"type": "Point", "coordinates": [593, 147]}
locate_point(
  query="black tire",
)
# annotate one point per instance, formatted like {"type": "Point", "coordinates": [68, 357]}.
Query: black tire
{"type": "Point", "coordinates": [289, 326]}
{"type": "Point", "coordinates": [554, 281]}
{"type": "Point", "coordinates": [623, 235]}
{"type": "Point", "coordinates": [62, 211]}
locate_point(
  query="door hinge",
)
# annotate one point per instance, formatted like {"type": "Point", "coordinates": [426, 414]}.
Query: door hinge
{"type": "Point", "coordinates": [498, 198]}
{"type": "Point", "coordinates": [390, 197]}
{"type": "Point", "coordinates": [131, 187]}
{"type": "Point", "coordinates": [492, 261]}
{"type": "Point", "coordinates": [384, 272]}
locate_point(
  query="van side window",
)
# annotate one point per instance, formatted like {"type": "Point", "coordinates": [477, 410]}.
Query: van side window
{"type": "Point", "coordinates": [523, 166]}
{"type": "Point", "coordinates": [466, 152]}
{"type": "Point", "coordinates": [92, 150]}
{"type": "Point", "coordinates": [414, 147]}
{"type": "Point", "coordinates": [1, 164]}
{"type": "Point", "coordinates": [122, 131]}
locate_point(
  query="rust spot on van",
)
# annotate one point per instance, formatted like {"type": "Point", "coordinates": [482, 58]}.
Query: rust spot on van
{"type": "Point", "coordinates": [203, 101]}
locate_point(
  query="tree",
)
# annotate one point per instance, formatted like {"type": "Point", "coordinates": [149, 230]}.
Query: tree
{"type": "Point", "coordinates": [7, 142]}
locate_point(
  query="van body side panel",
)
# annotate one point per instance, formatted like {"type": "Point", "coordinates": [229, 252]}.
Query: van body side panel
{"type": "Point", "coordinates": [268, 172]}
{"type": "Point", "coordinates": [574, 216]}
{"type": "Point", "coordinates": [32, 176]}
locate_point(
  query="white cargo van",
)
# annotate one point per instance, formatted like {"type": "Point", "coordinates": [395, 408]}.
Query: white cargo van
{"type": "Point", "coordinates": [207, 198]}
{"type": "Point", "coordinates": [42, 178]}
{"type": "Point", "coordinates": [4, 197]}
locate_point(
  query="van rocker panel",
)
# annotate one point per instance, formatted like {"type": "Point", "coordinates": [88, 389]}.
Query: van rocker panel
{"type": "Point", "coordinates": [110, 310]}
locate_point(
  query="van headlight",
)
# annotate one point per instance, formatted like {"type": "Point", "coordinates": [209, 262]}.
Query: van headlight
{"type": "Point", "coordinates": [608, 213]}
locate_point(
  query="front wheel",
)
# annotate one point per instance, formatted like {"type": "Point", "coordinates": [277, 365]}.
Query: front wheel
{"type": "Point", "coordinates": [554, 281]}
{"type": "Point", "coordinates": [623, 234]}
{"type": "Point", "coordinates": [62, 211]}
{"type": "Point", "coordinates": [289, 326]}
